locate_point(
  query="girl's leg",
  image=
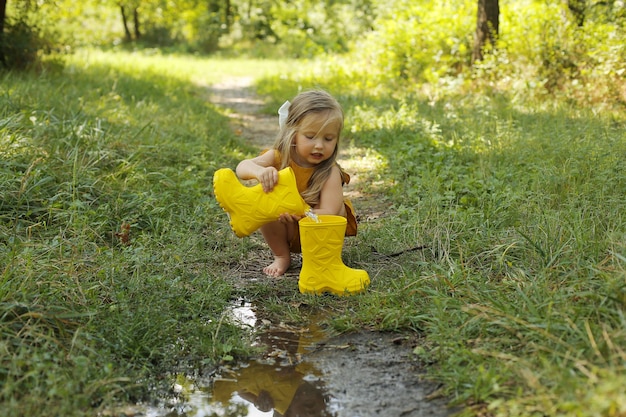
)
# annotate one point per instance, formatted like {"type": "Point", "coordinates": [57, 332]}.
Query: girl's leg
{"type": "Point", "coordinates": [278, 235]}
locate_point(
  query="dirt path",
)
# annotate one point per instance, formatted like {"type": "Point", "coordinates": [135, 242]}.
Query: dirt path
{"type": "Point", "coordinates": [244, 108]}
{"type": "Point", "coordinates": [365, 374]}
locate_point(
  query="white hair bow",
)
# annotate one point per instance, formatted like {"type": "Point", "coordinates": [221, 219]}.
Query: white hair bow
{"type": "Point", "coordinates": [283, 113]}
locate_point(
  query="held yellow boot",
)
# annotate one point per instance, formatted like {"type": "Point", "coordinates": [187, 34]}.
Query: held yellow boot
{"type": "Point", "coordinates": [322, 267]}
{"type": "Point", "coordinates": [250, 207]}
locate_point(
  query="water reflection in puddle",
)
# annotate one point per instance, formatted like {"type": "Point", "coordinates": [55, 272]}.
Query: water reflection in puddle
{"type": "Point", "coordinates": [280, 383]}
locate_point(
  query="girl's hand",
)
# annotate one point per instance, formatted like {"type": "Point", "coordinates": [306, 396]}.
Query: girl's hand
{"type": "Point", "coordinates": [287, 218]}
{"type": "Point", "coordinates": [261, 169]}
{"type": "Point", "coordinates": [267, 177]}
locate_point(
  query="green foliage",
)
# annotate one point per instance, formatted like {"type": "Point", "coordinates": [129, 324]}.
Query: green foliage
{"type": "Point", "coordinates": [307, 28]}
{"type": "Point", "coordinates": [544, 49]}
{"type": "Point", "coordinates": [547, 56]}
{"type": "Point", "coordinates": [301, 28]}
{"type": "Point", "coordinates": [419, 40]}
{"type": "Point", "coordinates": [541, 55]}
{"type": "Point", "coordinates": [24, 38]}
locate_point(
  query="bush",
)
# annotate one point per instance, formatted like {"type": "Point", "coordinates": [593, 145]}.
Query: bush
{"type": "Point", "coordinates": [21, 45]}
{"type": "Point", "coordinates": [417, 41]}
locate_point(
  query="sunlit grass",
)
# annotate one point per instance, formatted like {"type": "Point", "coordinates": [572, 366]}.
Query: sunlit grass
{"type": "Point", "coordinates": [177, 67]}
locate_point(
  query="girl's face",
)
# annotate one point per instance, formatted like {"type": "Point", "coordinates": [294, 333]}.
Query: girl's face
{"type": "Point", "coordinates": [316, 139]}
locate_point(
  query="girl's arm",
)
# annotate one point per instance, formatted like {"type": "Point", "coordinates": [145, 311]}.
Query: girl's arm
{"type": "Point", "coordinates": [331, 196]}
{"type": "Point", "coordinates": [259, 168]}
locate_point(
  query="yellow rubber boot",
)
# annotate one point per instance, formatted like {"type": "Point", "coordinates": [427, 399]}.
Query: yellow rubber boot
{"type": "Point", "coordinates": [250, 207]}
{"type": "Point", "coordinates": [322, 267]}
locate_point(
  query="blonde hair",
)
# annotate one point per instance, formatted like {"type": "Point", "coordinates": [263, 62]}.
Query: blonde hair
{"type": "Point", "coordinates": [304, 104]}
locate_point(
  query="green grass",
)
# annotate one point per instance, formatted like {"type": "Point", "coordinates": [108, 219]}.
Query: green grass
{"type": "Point", "coordinates": [519, 294]}
{"type": "Point", "coordinates": [113, 139]}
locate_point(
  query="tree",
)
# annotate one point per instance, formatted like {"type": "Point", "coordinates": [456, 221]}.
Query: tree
{"type": "Point", "coordinates": [487, 26]}
{"type": "Point", "coordinates": [128, 36]}
{"type": "Point", "coordinates": [134, 7]}
{"type": "Point", "coordinates": [3, 13]}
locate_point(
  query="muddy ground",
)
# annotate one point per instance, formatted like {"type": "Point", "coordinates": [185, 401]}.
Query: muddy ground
{"type": "Point", "coordinates": [375, 374]}
{"type": "Point", "coordinates": [360, 374]}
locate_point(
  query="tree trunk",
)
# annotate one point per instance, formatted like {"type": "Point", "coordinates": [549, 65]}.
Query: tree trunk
{"type": "Point", "coordinates": [578, 8]}
{"type": "Point", "coordinates": [228, 13]}
{"type": "Point", "coordinates": [3, 15]}
{"type": "Point", "coordinates": [487, 26]}
{"type": "Point", "coordinates": [125, 22]}
{"type": "Point", "coordinates": [136, 22]}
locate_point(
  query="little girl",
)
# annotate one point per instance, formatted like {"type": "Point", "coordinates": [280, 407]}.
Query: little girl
{"type": "Point", "coordinates": [307, 143]}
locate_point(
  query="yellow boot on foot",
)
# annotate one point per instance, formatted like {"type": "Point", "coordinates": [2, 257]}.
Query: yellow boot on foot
{"type": "Point", "coordinates": [322, 267]}
{"type": "Point", "coordinates": [250, 207]}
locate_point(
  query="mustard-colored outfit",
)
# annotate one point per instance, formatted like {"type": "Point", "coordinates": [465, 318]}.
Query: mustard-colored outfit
{"type": "Point", "coordinates": [303, 175]}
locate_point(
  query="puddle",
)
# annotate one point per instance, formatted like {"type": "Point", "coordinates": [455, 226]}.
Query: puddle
{"type": "Point", "coordinates": [280, 383]}
{"type": "Point", "coordinates": [305, 373]}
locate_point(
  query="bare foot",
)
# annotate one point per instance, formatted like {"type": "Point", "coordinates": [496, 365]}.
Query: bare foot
{"type": "Point", "coordinates": [278, 267]}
